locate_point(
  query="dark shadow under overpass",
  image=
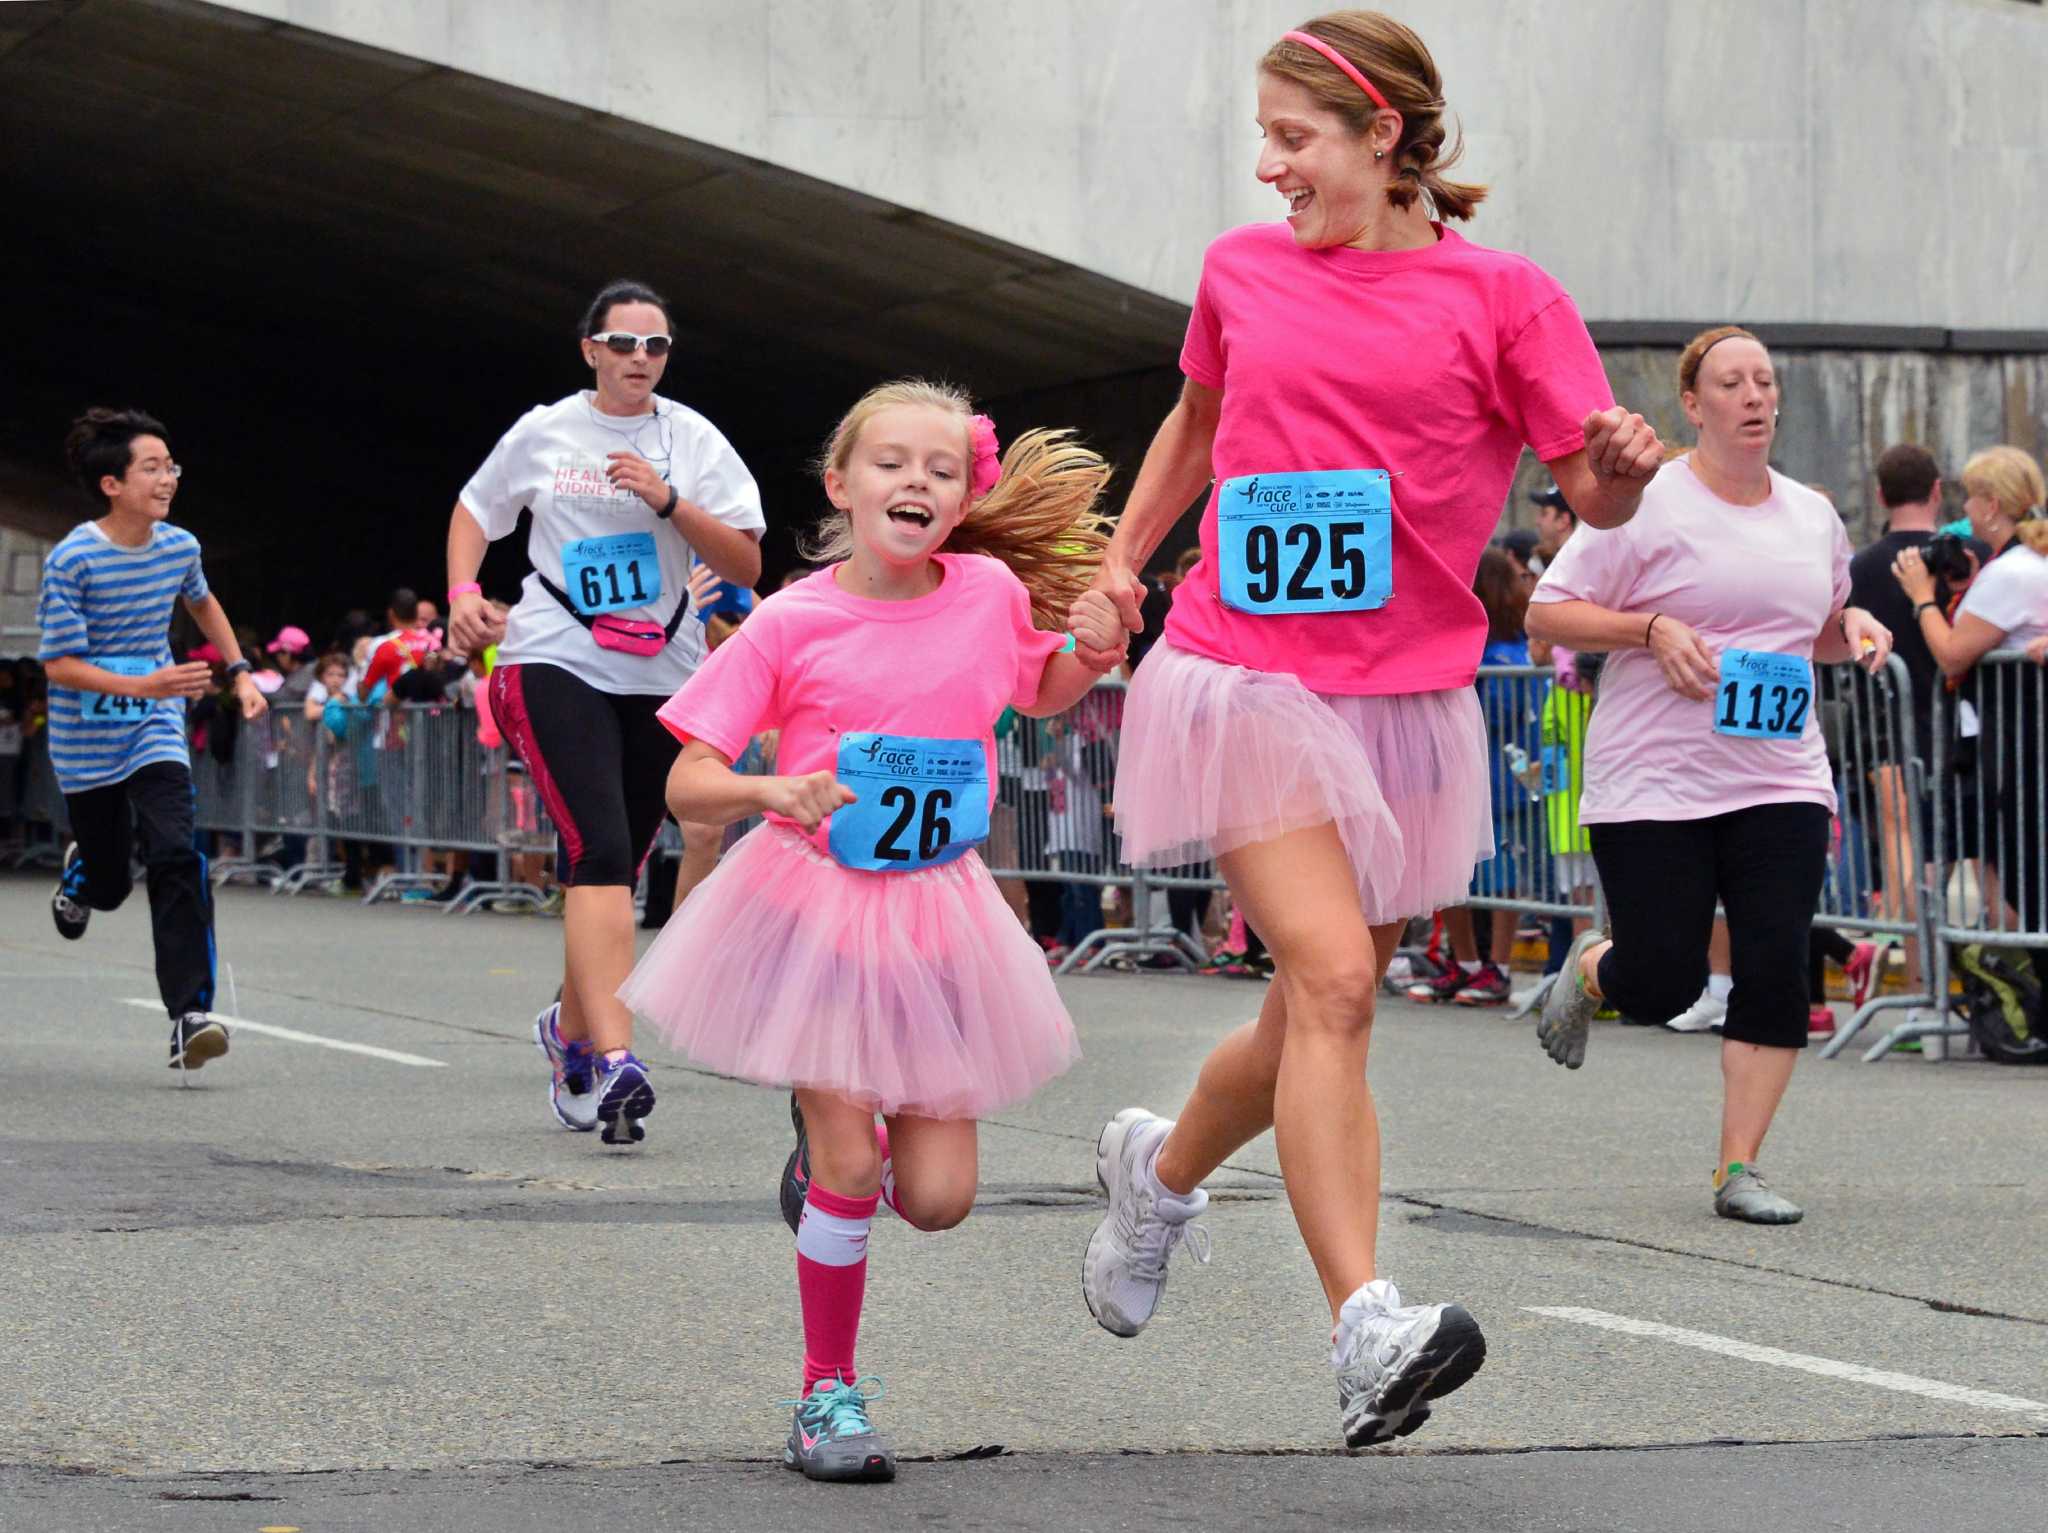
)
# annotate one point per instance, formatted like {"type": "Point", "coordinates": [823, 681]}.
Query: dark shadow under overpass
{"type": "Point", "coordinates": [339, 274]}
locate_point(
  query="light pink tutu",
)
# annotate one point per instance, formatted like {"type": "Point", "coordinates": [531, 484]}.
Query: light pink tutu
{"type": "Point", "coordinates": [916, 992]}
{"type": "Point", "coordinates": [1216, 757]}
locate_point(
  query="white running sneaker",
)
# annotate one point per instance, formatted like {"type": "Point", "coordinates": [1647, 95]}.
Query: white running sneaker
{"type": "Point", "coordinates": [1124, 1272]}
{"type": "Point", "coordinates": [572, 1096]}
{"type": "Point", "coordinates": [1704, 1016]}
{"type": "Point", "coordinates": [1392, 1358]}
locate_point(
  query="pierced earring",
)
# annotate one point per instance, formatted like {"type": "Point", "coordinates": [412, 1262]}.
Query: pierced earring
{"type": "Point", "coordinates": [1379, 154]}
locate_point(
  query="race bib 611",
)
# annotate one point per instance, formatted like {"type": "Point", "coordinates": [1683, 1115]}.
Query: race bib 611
{"type": "Point", "coordinates": [611, 573]}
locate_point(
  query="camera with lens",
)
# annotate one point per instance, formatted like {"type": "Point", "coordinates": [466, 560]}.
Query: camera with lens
{"type": "Point", "coordinates": [1949, 559]}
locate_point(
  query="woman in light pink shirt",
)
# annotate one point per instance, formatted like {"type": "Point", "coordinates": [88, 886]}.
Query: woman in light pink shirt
{"type": "Point", "coordinates": [1706, 779]}
{"type": "Point", "coordinates": [1361, 382]}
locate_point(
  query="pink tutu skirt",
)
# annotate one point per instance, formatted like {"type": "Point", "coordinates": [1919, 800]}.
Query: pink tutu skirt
{"type": "Point", "coordinates": [1216, 757]}
{"type": "Point", "coordinates": [915, 992]}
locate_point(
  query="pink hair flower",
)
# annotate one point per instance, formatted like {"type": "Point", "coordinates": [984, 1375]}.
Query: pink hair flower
{"type": "Point", "coordinates": [987, 464]}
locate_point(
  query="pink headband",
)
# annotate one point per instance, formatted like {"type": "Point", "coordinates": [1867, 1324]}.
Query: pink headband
{"type": "Point", "coordinates": [1308, 41]}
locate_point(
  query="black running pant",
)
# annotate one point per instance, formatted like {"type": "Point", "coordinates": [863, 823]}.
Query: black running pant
{"type": "Point", "coordinates": [600, 761]}
{"type": "Point", "coordinates": [152, 810]}
{"type": "Point", "coordinates": [1765, 865]}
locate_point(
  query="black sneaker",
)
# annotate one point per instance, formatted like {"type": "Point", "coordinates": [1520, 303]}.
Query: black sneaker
{"type": "Point", "coordinates": [796, 1171]}
{"type": "Point", "coordinates": [67, 906]}
{"type": "Point", "coordinates": [196, 1038]}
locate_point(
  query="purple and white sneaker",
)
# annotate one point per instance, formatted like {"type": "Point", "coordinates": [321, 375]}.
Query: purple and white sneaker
{"type": "Point", "coordinates": [624, 1099]}
{"type": "Point", "coordinates": [570, 1096]}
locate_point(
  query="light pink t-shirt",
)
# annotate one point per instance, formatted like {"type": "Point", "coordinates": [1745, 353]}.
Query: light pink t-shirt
{"type": "Point", "coordinates": [815, 661]}
{"type": "Point", "coordinates": [1763, 577]}
{"type": "Point", "coordinates": [1436, 365]}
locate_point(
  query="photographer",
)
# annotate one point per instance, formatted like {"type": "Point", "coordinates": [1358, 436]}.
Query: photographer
{"type": "Point", "coordinates": [1909, 488]}
{"type": "Point", "coordinates": [2006, 606]}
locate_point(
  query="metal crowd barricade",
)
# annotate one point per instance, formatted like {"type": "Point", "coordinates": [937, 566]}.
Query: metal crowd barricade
{"type": "Point", "coordinates": [413, 778]}
{"type": "Point", "coordinates": [1874, 872]}
{"type": "Point", "coordinates": [295, 797]}
{"type": "Point", "coordinates": [1052, 823]}
{"type": "Point", "coordinates": [1986, 883]}
{"type": "Point", "coordinates": [1535, 751]}
{"type": "Point", "coordinates": [39, 808]}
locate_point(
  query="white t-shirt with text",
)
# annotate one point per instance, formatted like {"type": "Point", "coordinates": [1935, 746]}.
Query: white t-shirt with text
{"type": "Point", "coordinates": [552, 463]}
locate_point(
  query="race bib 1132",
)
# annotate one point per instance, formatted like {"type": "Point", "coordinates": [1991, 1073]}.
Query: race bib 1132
{"type": "Point", "coordinates": [1763, 696]}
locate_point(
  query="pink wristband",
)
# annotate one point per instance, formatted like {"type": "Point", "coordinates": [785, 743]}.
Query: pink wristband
{"type": "Point", "coordinates": [467, 588]}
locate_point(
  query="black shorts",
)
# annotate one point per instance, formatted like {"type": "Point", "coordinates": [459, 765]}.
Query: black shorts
{"type": "Point", "coordinates": [600, 762]}
{"type": "Point", "coordinates": [1765, 866]}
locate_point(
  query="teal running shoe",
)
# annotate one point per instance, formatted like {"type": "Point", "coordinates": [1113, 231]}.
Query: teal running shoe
{"type": "Point", "coordinates": [831, 1438]}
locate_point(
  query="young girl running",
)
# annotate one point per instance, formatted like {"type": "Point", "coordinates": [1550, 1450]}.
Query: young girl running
{"type": "Point", "coordinates": [854, 946]}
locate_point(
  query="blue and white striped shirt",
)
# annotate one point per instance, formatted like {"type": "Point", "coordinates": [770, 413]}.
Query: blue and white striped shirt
{"type": "Point", "coordinates": [102, 603]}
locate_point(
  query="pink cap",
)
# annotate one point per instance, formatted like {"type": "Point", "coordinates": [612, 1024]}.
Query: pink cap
{"type": "Point", "coordinates": [289, 639]}
{"type": "Point", "coordinates": [208, 653]}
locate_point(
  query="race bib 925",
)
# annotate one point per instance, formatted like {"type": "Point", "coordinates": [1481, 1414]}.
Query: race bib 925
{"type": "Point", "coordinates": [1320, 541]}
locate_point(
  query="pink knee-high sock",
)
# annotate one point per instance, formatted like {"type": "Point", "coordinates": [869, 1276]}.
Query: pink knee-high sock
{"type": "Point", "coordinates": [831, 1279]}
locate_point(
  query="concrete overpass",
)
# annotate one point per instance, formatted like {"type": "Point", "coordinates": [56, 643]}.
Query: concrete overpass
{"type": "Point", "coordinates": [340, 244]}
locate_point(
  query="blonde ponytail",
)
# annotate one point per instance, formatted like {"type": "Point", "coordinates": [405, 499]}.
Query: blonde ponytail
{"type": "Point", "coordinates": [1040, 520]}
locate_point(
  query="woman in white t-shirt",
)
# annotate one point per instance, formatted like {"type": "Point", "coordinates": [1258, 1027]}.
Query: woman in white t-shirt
{"type": "Point", "coordinates": [1706, 779]}
{"type": "Point", "coordinates": [627, 490]}
{"type": "Point", "coordinates": [2006, 607]}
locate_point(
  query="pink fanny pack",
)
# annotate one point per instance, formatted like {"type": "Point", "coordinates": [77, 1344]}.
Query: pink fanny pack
{"type": "Point", "coordinates": [627, 636]}
{"type": "Point", "coordinates": [624, 635]}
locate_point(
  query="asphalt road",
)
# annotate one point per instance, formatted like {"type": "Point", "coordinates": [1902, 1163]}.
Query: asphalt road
{"type": "Point", "coordinates": [325, 1288]}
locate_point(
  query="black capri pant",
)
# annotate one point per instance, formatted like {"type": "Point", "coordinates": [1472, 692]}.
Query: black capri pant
{"type": "Point", "coordinates": [1765, 865]}
{"type": "Point", "coordinates": [600, 762]}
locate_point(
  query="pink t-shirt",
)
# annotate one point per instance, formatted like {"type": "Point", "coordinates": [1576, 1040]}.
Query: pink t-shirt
{"type": "Point", "coordinates": [815, 662]}
{"type": "Point", "coordinates": [1763, 577]}
{"type": "Point", "coordinates": [1436, 365]}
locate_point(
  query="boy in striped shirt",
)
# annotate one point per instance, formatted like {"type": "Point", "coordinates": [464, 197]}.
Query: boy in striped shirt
{"type": "Point", "coordinates": [117, 710]}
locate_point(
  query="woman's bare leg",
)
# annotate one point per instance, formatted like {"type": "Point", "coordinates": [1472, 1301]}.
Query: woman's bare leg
{"type": "Point", "coordinates": [597, 942]}
{"type": "Point", "coordinates": [1302, 1066]}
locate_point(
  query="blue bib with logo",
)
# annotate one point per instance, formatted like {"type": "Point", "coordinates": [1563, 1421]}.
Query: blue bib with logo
{"type": "Point", "coordinates": [1321, 541]}
{"type": "Point", "coordinates": [920, 802]}
{"type": "Point", "coordinates": [611, 573]}
{"type": "Point", "coordinates": [1763, 696]}
{"type": "Point", "coordinates": [103, 710]}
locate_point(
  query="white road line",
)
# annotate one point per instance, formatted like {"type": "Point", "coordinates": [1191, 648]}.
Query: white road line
{"type": "Point", "coordinates": [1827, 1368]}
{"type": "Point", "coordinates": [293, 1035]}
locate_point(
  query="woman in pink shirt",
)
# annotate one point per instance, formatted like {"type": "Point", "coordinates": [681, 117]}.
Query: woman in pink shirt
{"type": "Point", "coordinates": [1360, 384]}
{"type": "Point", "coordinates": [854, 946]}
{"type": "Point", "coordinates": [1706, 777]}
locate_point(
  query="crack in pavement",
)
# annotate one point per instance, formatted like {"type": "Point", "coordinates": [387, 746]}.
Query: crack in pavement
{"type": "Point", "coordinates": [226, 1477]}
